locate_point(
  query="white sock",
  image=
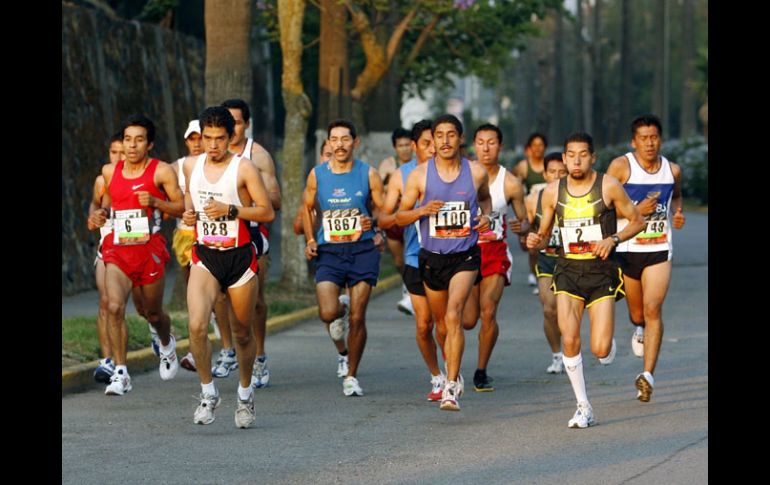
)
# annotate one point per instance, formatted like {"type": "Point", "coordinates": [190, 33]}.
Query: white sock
{"type": "Point", "coordinates": [209, 389]}
{"type": "Point", "coordinates": [574, 367]}
{"type": "Point", "coordinates": [404, 291]}
{"type": "Point", "coordinates": [244, 392]}
{"type": "Point", "coordinates": [167, 349]}
{"type": "Point", "coordinates": [649, 378]}
{"type": "Point", "coordinates": [123, 368]}
{"type": "Point", "coordinates": [558, 355]}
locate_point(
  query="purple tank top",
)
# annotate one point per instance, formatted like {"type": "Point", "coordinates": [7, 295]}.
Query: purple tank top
{"type": "Point", "coordinates": [450, 231]}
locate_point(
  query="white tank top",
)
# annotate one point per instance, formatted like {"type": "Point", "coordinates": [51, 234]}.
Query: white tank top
{"type": "Point", "coordinates": [656, 235]}
{"type": "Point", "coordinates": [499, 208]}
{"type": "Point", "coordinates": [180, 176]}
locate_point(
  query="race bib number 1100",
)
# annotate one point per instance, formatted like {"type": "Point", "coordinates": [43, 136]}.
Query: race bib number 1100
{"type": "Point", "coordinates": [452, 221]}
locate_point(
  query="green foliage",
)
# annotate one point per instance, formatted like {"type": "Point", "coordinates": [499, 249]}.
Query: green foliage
{"type": "Point", "coordinates": [155, 10]}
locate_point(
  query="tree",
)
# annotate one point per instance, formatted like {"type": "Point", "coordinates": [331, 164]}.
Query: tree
{"type": "Point", "coordinates": [298, 110]}
{"type": "Point", "coordinates": [687, 118]}
{"type": "Point", "coordinates": [333, 64]}
{"type": "Point", "coordinates": [228, 68]}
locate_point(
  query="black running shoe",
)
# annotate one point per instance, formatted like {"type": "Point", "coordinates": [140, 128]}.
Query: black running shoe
{"type": "Point", "coordinates": [481, 381]}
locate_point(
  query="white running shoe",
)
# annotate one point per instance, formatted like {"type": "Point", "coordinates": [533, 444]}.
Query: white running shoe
{"type": "Point", "coordinates": [536, 291]}
{"type": "Point", "coordinates": [557, 364]}
{"type": "Point", "coordinates": [169, 364]}
{"type": "Point", "coordinates": [584, 416]}
{"type": "Point", "coordinates": [449, 397]}
{"type": "Point", "coordinates": [436, 387]}
{"type": "Point", "coordinates": [244, 412]}
{"type": "Point", "coordinates": [120, 383]}
{"type": "Point", "coordinates": [204, 413]}
{"type": "Point", "coordinates": [405, 305]}
{"type": "Point", "coordinates": [226, 362]}
{"type": "Point", "coordinates": [342, 365]}
{"type": "Point", "coordinates": [260, 376]}
{"type": "Point", "coordinates": [531, 280]}
{"type": "Point", "coordinates": [611, 356]}
{"type": "Point", "coordinates": [188, 362]}
{"type": "Point", "coordinates": [637, 342]}
{"type": "Point", "coordinates": [339, 326]}
{"type": "Point", "coordinates": [644, 383]}
{"type": "Point", "coordinates": [350, 387]}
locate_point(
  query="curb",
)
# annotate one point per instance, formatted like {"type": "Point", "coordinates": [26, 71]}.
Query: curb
{"type": "Point", "coordinates": [80, 377]}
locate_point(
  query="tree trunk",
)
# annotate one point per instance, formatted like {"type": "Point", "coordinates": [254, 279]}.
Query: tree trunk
{"type": "Point", "coordinates": [545, 69]}
{"type": "Point", "coordinates": [580, 57]}
{"type": "Point", "coordinates": [333, 65]}
{"type": "Point", "coordinates": [228, 68]}
{"type": "Point", "coordinates": [294, 269]}
{"type": "Point", "coordinates": [687, 116]}
{"type": "Point", "coordinates": [597, 94]}
{"type": "Point", "coordinates": [626, 89]}
{"type": "Point", "coordinates": [657, 39]}
{"type": "Point", "coordinates": [557, 130]}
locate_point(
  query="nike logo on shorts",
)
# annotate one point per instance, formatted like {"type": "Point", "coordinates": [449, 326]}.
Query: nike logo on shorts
{"type": "Point", "coordinates": [612, 289]}
{"type": "Point", "coordinates": [153, 274]}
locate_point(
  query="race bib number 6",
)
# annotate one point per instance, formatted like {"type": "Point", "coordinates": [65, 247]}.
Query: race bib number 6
{"type": "Point", "coordinates": [130, 227]}
{"type": "Point", "coordinates": [452, 221]}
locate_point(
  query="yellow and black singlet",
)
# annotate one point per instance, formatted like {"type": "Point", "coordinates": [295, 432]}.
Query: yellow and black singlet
{"type": "Point", "coordinates": [584, 220]}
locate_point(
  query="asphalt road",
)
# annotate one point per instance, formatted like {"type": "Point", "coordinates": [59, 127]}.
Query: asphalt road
{"type": "Point", "coordinates": [308, 432]}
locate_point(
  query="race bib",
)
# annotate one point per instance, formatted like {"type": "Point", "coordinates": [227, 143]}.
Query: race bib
{"type": "Point", "coordinates": [496, 228]}
{"type": "Point", "coordinates": [654, 233]}
{"type": "Point", "coordinates": [218, 234]}
{"type": "Point", "coordinates": [578, 239]}
{"type": "Point", "coordinates": [553, 242]}
{"type": "Point", "coordinates": [452, 221]}
{"type": "Point", "coordinates": [342, 225]}
{"type": "Point", "coordinates": [130, 227]}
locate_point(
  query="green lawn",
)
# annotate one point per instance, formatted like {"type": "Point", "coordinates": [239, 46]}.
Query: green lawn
{"type": "Point", "coordinates": [81, 344]}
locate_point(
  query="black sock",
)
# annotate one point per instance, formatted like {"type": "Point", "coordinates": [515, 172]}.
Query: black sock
{"type": "Point", "coordinates": [344, 352]}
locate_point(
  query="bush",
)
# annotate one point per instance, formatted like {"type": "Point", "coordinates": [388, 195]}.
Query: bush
{"type": "Point", "coordinates": [691, 154]}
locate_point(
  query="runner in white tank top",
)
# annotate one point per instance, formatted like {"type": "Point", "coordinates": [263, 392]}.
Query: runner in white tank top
{"type": "Point", "coordinates": [654, 184]}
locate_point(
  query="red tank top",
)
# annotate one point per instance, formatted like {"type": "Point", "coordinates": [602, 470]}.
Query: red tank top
{"type": "Point", "coordinates": [122, 189]}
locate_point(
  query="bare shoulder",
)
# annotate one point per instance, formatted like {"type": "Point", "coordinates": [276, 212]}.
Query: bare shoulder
{"type": "Point", "coordinates": [520, 168]}
{"type": "Point", "coordinates": [676, 170]}
{"type": "Point", "coordinates": [262, 159]}
{"type": "Point", "coordinates": [619, 167]}
{"type": "Point", "coordinates": [510, 178]}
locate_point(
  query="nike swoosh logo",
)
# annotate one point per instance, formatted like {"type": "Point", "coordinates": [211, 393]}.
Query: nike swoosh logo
{"type": "Point", "coordinates": [153, 274]}
{"type": "Point", "coordinates": [612, 289]}
{"type": "Point", "coordinates": [134, 187]}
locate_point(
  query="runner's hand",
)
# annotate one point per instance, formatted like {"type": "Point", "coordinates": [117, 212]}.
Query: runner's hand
{"type": "Point", "coordinates": [483, 225]}
{"type": "Point", "coordinates": [97, 219]}
{"type": "Point", "coordinates": [189, 217]}
{"type": "Point", "coordinates": [604, 247]}
{"type": "Point", "coordinates": [533, 240]}
{"type": "Point", "coordinates": [648, 205]}
{"type": "Point", "coordinates": [432, 207]}
{"type": "Point", "coordinates": [311, 249]}
{"type": "Point", "coordinates": [145, 199]}
{"type": "Point", "coordinates": [678, 219]}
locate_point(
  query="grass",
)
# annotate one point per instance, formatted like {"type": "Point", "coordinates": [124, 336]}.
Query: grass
{"type": "Point", "coordinates": [80, 342]}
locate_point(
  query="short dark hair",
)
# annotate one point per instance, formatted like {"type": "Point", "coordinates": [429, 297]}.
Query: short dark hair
{"type": "Point", "coordinates": [237, 103]}
{"type": "Point", "coordinates": [489, 127]}
{"type": "Point", "coordinates": [144, 122]}
{"type": "Point", "coordinates": [553, 156]}
{"type": "Point", "coordinates": [399, 133]}
{"type": "Point", "coordinates": [419, 127]}
{"type": "Point", "coordinates": [117, 136]}
{"type": "Point", "coordinates": [344, 124]}
{"type": "Point", "coordinates": [216, 117]}
{"type": "Point", "coordinates": [580, 137]}
{"type": "Point", "coordinates": [646, 120]}
{"type": "Point", "coordinates": [534, 136]}
{"type": "Point", "coordinates": [447, 118]}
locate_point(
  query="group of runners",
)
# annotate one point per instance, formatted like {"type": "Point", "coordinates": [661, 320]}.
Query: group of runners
{"type": "Point", "coordinates": [594, 237]}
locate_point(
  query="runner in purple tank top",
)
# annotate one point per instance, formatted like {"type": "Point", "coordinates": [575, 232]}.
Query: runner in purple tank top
{"type": "Point", "coordinates": [450, 191]}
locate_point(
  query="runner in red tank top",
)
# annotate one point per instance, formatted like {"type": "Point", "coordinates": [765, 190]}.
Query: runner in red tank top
{"type": "Point", "coordinates": [135, 253]}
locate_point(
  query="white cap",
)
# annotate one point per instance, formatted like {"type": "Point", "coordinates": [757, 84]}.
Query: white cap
{"type": "Point", "coordinates": [193, 127]}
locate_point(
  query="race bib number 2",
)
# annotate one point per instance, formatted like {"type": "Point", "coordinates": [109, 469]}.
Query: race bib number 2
{"type": "Point", "coordinates": [342, 225]}
{"type": "Point", "coordinates": [130, 227]}
{"type": "Point", "coordinates": [452, 221]}
{"type": "Point", "coordinates": [581, 239]}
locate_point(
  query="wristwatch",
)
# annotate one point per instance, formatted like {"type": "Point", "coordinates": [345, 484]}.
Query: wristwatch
{"type": "Point", "coordinates": [616, 239]}
{"type": "Point", "coordinates": [232, 212]}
